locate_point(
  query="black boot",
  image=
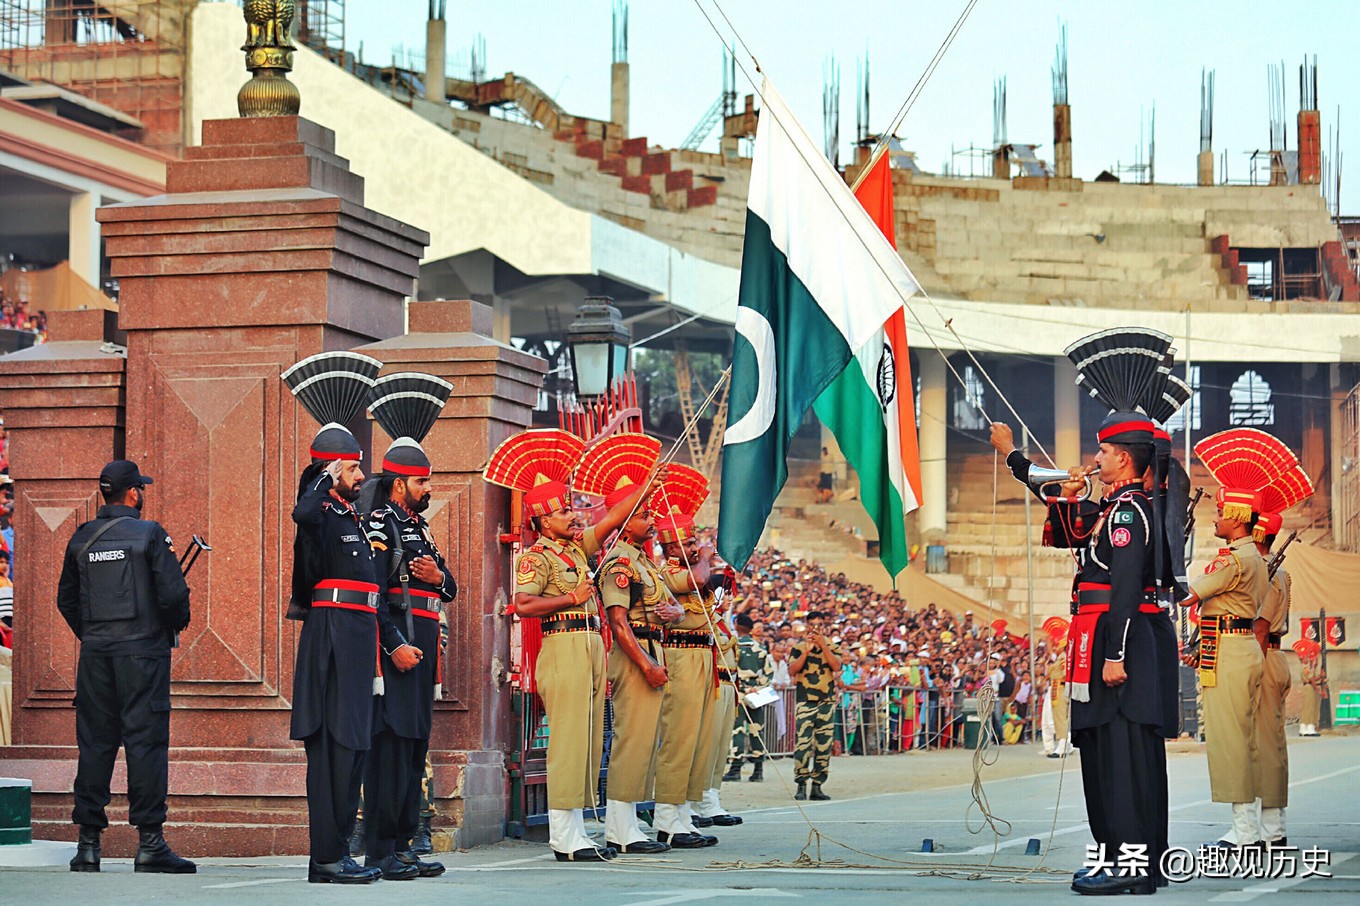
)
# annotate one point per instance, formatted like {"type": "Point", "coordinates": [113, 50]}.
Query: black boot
{"type": "Point", "coordinates": [817, 793]}
{"type": "Point", "coordinates": [154, 854]}
{"type": "Point", "coordinates": [733, 772]}
{"type": "Point", "coordinates": [758, 772]}
{"type": "Point", "coordinates": [801, 793]}
{"type": "Point", "coordinates": [421, 844]}
{"type": "Point", "coordinates": [356, 839]}
{"type": "Point", "coordinates": [426, 869]}
{"type": "Point", "coordinates": [87, 849]}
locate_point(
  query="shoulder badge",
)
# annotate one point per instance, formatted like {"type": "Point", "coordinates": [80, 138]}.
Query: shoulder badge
{"type": "Point", "coordinates": [621, 579]}
{"type": "Point", "coordinates": [1123, 517]}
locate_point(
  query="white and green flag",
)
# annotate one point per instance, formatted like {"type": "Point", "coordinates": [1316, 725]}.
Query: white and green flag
{"type": "Point", "coordinates": [818, 283]}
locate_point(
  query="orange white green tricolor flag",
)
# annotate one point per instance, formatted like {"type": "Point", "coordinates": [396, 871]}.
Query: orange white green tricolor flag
{"type": "Point", "coordinates": [871, 407]}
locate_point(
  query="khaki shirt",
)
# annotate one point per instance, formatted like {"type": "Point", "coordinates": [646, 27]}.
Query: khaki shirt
{"type": "Point", "coordinates": [628, 579]}
{"type": "Point", "coordinates": [1057, 677]}
{"type": "Point", "coordinates": [550, 569]}
{"type": "Point", "coordinates": [1276, 607]}
{"type": "Point", "coordinates": [1234, 583]}
{"type": "Point", "coordinates": [698, 605]}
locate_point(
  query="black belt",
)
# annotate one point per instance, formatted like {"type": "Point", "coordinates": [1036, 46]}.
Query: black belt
{"type": "Point", "coordinates": [1101, 595]}
{"type": "Point", "coordinates": [676, 639]}
{"type": "Point", "coordinates": [646, 632]}
{"type": "Point", "coordinates": [570, 624]}
{"type": "Point", "coordinates": [1236, 623]}
{"type": "Point", "coordinates": [345, 596]}
{"type": "Point", "coordinates": [1275, 639]}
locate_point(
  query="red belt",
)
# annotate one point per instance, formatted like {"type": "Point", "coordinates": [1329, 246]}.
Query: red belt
{"type": "Point", "coordinates": [415, 592]}
{"type": "Point", "coordinates": [427, 614]}
{"type": "Point", "coordinates": [345, 594]}
{"type": "Point", "coordinates": [1105, 608]}
{"type": "Point", "coordinates": [343, 605]}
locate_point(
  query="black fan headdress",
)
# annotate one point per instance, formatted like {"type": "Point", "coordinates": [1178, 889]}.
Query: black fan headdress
{"type": "Point", "coordinates": [333, 387]}
{"type": "Point", "coordinates": [407, 405]}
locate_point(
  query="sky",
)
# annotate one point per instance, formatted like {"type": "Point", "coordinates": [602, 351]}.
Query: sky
{"type": "Point", "coordinates": [1124, 58]}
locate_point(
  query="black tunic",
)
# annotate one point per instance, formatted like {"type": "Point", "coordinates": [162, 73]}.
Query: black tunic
{"type": "Point", "coordinates": [407, 704]}
{"type": "Point", "coordinates": [335, 642]}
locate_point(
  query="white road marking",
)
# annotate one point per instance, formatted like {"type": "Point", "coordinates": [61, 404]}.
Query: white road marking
{"type": "Point", "coordinates": [252, 883]}
{"type": "Point", "coordinates": [1248, 894]}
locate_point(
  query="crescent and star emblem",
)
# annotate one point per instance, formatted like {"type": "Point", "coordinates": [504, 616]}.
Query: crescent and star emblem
{"type": "Point", "coordinates": [752, 325]}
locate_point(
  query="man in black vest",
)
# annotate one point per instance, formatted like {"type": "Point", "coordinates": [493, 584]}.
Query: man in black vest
{"type": "Point", "coordinates": [123, 594]}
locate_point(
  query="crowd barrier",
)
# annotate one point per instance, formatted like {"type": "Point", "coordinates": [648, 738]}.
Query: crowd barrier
{"type": "Point", "coordinates": [894, 719]}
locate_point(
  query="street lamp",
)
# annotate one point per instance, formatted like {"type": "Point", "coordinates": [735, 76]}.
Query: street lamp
{"type": "Point", "coordinates": [598, 340]}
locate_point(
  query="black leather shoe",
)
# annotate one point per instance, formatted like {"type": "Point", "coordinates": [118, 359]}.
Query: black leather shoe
{"type": "Point", "coordinates": [155, 855]}
{"type": "Point", "coordinates": [587, 854]}
{"type": "Point", "coordinates": [1102, 883]}
{"type": "Point", "coordinates": [421, 844]}
{"type": "Point", "coordinates": [817, 793]}
{"type": "Point", "coordinates": [685, 840]}
{"type": "Point", "coordinates": [426, 869]}
{"type": "Point", "coordinates": [801, 793]}
{"type": "Point", "coordinates": [87, 849]}
{"type": "Point", "coordinates": [757, 773]}
{"type": "Point", "coordinates": [346, 871]}
{"type": "Point", "coordinates": [392, 868]}
{"type": "Point", "coordinates": [1277, 844]}
{"type": "Point", "coordinates": [733, 772]}
{"type": "Point", "coordinates": [726, 820]}
{"type": "Point", "coordinates": [701, 821]}
{"type": "Point", "coordinates": [709, 839]}
{"type": "Point", "coordinates": [641, 848]}
{"type": "Point", "coordinates": [356, 839]}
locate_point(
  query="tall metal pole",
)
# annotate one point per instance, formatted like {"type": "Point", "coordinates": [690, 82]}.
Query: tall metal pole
{"type": "Point", "coordinates": [1029, 592]}
{"type": "Point", "coordinates": [1325, 717]}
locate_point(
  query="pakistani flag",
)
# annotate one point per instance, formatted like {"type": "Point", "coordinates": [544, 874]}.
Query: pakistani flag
{"type": "Point", "coordinates": [818, 283]}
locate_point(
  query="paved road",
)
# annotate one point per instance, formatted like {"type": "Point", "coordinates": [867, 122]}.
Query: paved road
{"type": "Point", "coordinates": [969, 868]}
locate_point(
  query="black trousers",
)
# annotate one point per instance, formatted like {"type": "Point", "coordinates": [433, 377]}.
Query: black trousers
{"type": "Point", "coordinates": [396, 766]}
{"type": "Point", "coordinates": [334, 775]}
{"type": "Point", "coordinates": [1123, 773]}
{"type": "Point", "coordinates": [122, 700]}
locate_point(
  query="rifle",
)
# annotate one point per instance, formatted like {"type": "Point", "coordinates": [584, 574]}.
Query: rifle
{"type": "Point", "coordinates": [1190, 513]}
{"type": "Point", "coordinates": [1277, 558]}
{"type": "Point", "coordinates": [186, 563]}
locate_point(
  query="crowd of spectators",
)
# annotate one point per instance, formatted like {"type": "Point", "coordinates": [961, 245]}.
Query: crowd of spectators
{"type": "Point", "coordinates": [16, 315]}
{"type": "Point", "coordinates": [888, 642]}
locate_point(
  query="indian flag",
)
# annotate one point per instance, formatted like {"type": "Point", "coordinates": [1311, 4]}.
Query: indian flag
{"type": "Point", "coordinates": [818, 285]}
{"type": "Point", "coordinates": [871, 407]}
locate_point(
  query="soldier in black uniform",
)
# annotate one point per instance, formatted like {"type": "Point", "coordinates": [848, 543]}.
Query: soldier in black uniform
{"type": "Point", "coordinates": [123, 594]}
{"type": "Point", "coordinates": [417, 584]}
{"type": "Point", "coordinates": [346, 622]}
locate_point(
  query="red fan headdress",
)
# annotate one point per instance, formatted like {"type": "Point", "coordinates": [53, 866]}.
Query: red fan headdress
{"type": "Point", "coordinates": [539, 463]}
{"type": "Point", "coordinates": [1293, 487]}
{"type": "Point", "coordinates": [677, 502]}
{"type": "Point", "coordinates": [1244, 461]}
{"type": "Point", "coordinates": [615, 466]}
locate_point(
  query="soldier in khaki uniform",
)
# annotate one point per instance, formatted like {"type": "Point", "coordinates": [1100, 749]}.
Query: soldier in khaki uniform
{"type": "Point", "coordinates": [1272, 752]}
{"type": "Point", "coordinates": [1057, 697]}
{"type": "Point", "coordinates": [726, 708]}
{"type": "Point", "coordinates": [1313, 679]}
{"type": "Point", "coordinates": [683, 762]}
{"type": "Point", "coordinates": [814, 664]}
{"type": "Point", "coordinates": [640, 671]}
{"type": "Point", "coordinates": [554, 597]}
{"type": "Point", "coordinates": [1230, 595]}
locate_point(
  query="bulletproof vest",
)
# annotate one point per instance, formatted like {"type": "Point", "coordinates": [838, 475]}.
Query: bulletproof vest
{"type": "Point", "coordinates": [117, 592]}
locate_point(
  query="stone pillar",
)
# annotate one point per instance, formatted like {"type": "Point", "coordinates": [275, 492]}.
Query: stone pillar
{"type": "Point", "coordinates": [618, 97]}
{"type": "Point", "coordinates": [1066, 415]}
{"type": "Point", "coordinates": [83, 237]}
{"type": "Point", "coordinates": [260, 254]}
{"type": "Point", "coordinates": [934, 447]}
{"type": "Point", "coordinates": [495, 389]}
{"type": "Point", "coordinates": [64, 415]}
{"type": "Point", "coordinates": [1062, 141]}
{"type": "Point", "coordinates": [1204, 166]}
{"type": "Point", "coordinates": [435, 31]}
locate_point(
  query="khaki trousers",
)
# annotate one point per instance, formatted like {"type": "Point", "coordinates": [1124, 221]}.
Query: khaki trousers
{"type": "Point", "coordinates": [1229, 712]}
{"type": "Point", "coordinates": [637, 714]}
{"type": "Point", "coordinates": [686, 726]}
{"type": "Point", "coordinates": [1059, 707]}
{"type": "Point", "coordinates": [571, 675]}
{"type": "Point", "coordinates": [1272, 755]}
{"type": "Point", "coordinates": [724, 720]}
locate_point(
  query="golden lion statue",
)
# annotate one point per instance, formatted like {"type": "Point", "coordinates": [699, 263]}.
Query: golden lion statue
{"type": "Point", "coordinates": [268, 23]}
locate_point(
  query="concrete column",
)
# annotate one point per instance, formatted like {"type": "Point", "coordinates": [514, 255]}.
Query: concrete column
{"type": "Point", "coordinates": [1342, 509]}
{"type": "Point", "coordinates": [1062, 141]}
{"type": "Point", "coordinates": [1066, 414]}
{"type": "Point", "coordinates": [934, 446]}
{"type": "Point", "coordinates": [1204, 166]}
{"type": "Point", "coordinates": [618, 97]}
{"type": "Point", "coordinates": [435, 31]}
{"type": "Point", "coordinates": [83, 230]}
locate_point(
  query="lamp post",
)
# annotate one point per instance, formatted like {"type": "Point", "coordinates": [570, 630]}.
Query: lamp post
{"type": "Point", "coordinates": [598, 340]}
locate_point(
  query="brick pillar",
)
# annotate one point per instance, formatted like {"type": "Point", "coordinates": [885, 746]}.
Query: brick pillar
{"type": "Point", "coordinates": [260, 253]}
{"type": "Point", "coordinates": [1062, 141]}
{"type": "Point", "coordinates": [495, 388]}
